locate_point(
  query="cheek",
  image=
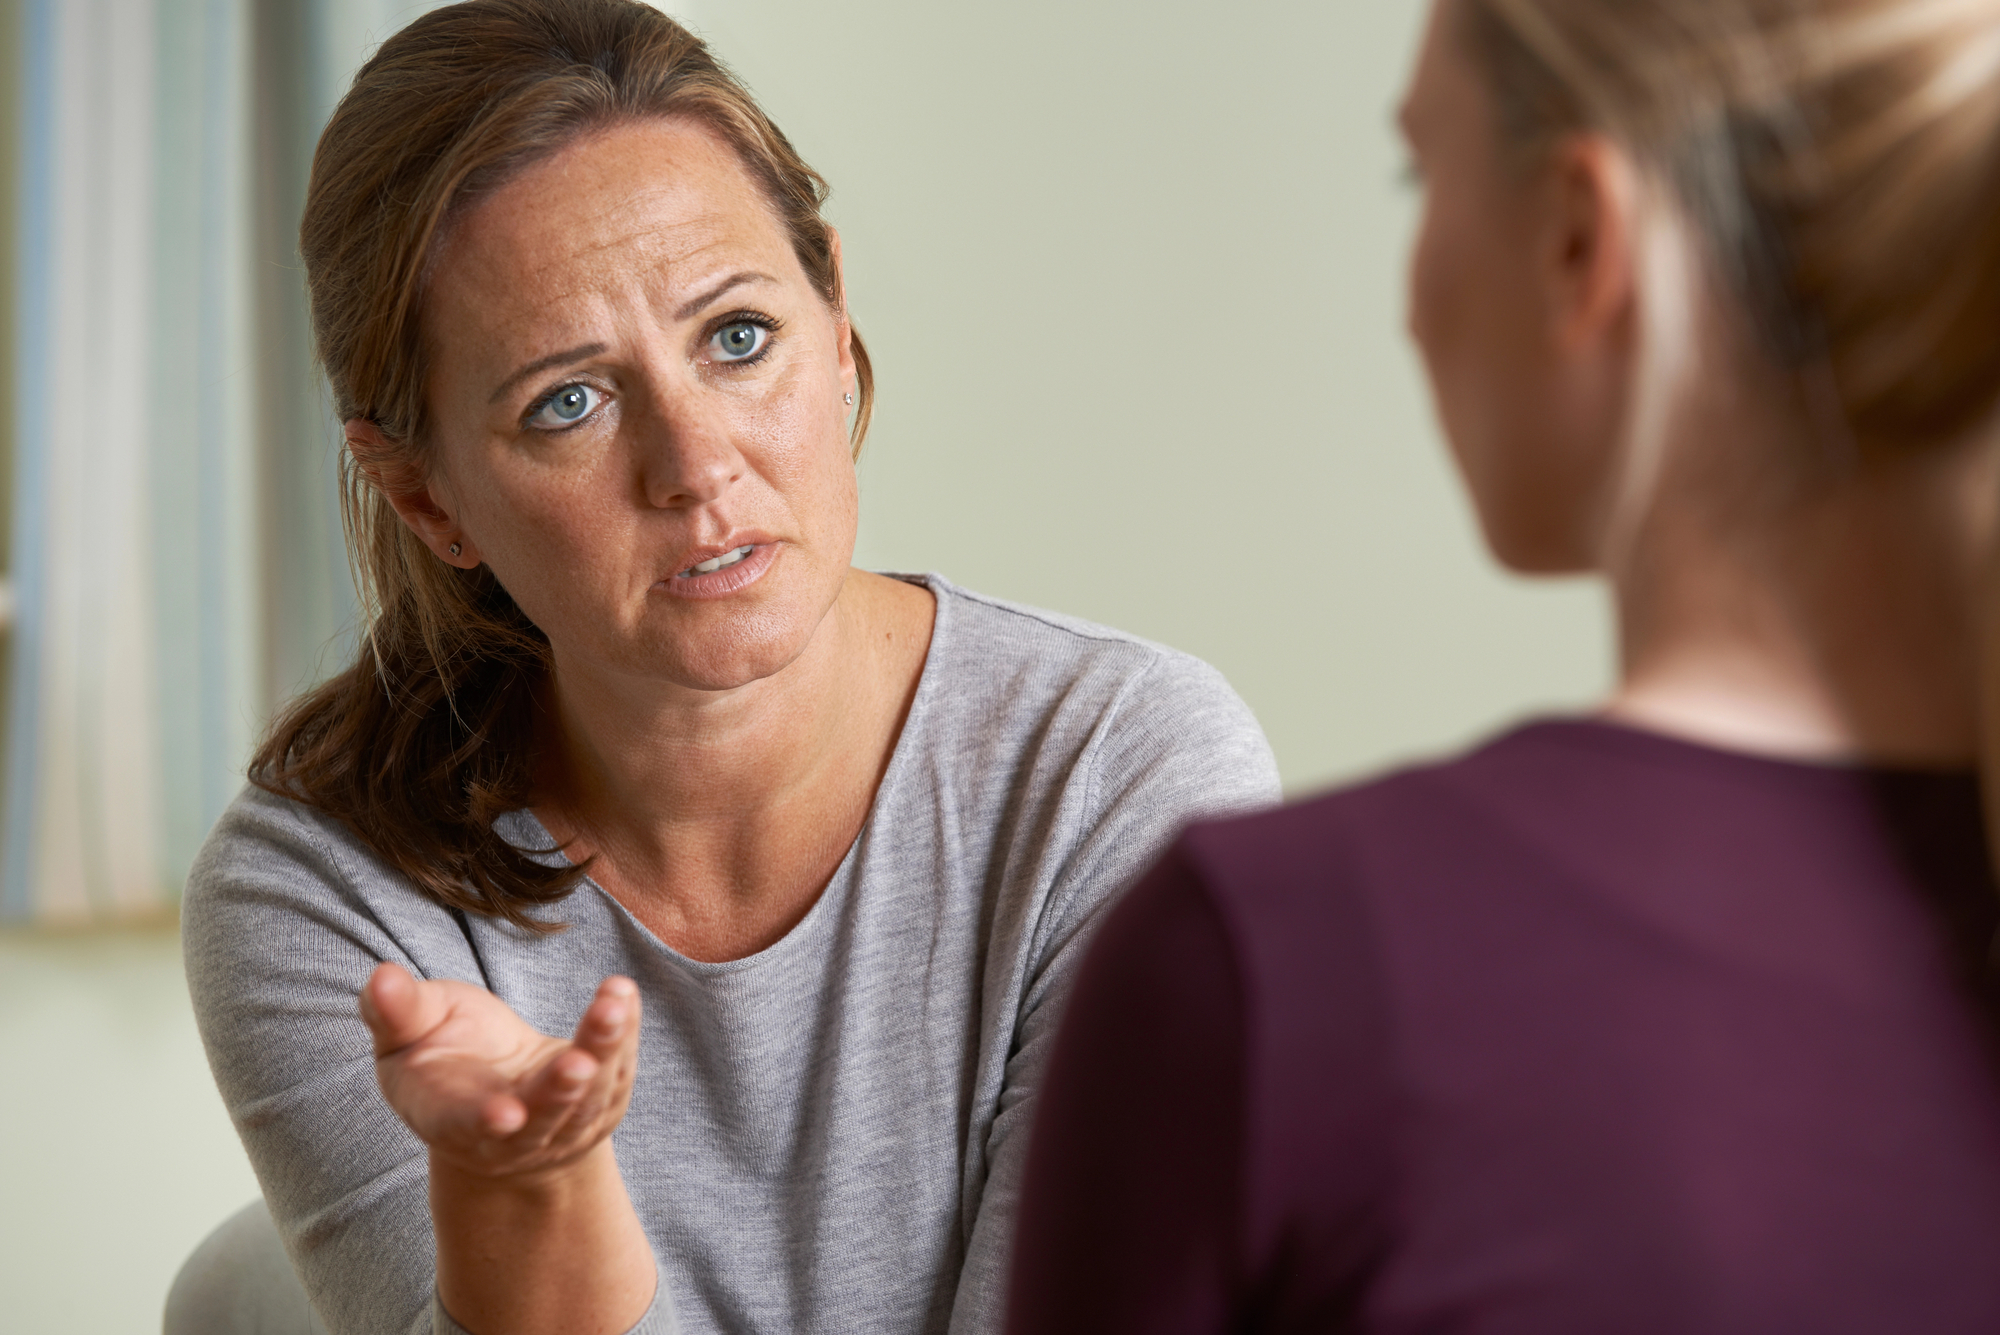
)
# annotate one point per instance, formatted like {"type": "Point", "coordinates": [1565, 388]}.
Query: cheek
{"type": "Point", "coordinates": [1427, 287]}
{"type": "Point", "coordinates": [795, 440]}
{"type": "Point", "coordinates": [1473, 314]}
{"type": "Point", "coordinates": [527, 518]}
{"type": "Point", "coordinates": [560, 539]}
{"type": "Point", "coordinates": [1444, 305]}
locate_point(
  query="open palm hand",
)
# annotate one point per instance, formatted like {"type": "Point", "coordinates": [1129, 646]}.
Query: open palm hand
{"type": "Point", "coordinates": [485, 1090]}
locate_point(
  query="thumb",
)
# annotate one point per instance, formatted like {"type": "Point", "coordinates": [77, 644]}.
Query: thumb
{"type": "Point", "coordinates": [398, 1009]}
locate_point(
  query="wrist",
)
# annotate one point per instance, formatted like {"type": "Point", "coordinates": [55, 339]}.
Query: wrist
{"type": "Point", "coordinates": [530, 1251]}
{"type": "Point", "coordinates": [543, 1186]}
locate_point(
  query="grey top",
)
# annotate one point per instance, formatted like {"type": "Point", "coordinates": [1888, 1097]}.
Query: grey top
{"type": "Point", "coordinates": [825, 1136]}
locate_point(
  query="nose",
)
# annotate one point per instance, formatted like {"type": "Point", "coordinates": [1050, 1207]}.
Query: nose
{"type": "Point", "coordinates": [686, 454]}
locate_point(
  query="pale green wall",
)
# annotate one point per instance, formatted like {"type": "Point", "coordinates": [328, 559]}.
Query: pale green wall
{"type": "Point", "coordinates": [115, 1154]}
{"type": "Point", "coordinates": [1131, 273]}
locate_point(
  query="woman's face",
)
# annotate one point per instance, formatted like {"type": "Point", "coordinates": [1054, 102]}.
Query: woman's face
{"type": "Point", "coordinates": [637, 399]}
{"type": "Point", "coordinates": [1507, 303]}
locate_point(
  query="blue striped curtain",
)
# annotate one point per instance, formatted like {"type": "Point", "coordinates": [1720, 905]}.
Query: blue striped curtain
{"type": "Point", "coordinates": [174, 562]}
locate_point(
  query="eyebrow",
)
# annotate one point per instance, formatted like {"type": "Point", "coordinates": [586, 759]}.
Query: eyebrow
{"type": "Point", "coordinates": [687, 311]}
{"type": "Point", "coordinates": [717, 292]}
{"type": "Point", "coordinates": [541, 364]}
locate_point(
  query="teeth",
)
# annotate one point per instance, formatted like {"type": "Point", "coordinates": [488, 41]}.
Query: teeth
{"type": "Point", "coordinates": [726, 559]}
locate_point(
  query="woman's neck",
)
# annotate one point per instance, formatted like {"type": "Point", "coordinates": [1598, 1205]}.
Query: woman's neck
{"type": "Point", "coordinates": [717, 816]}
{"type": "Point", "coordinates": [1842, 625]}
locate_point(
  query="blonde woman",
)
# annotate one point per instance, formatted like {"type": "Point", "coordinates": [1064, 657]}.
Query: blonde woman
{"type": "Point", "coordinates": [707, 903]}
{"type": "Point", "coordinates": [1679, 1017]}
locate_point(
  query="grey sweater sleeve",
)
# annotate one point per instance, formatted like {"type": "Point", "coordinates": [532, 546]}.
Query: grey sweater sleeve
{"type": "Point", "coordinates": [280, 931]}
{"type": "Point", "coordinates": [659, 1318]}
{"type": "Point", "coordinates": [1179, 746]}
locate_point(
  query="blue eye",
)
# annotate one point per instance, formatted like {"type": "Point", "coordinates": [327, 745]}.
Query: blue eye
{"type": "Point", "coordinates": [739, 340]}
{"type": "Point", "coordinates": [566, 407]}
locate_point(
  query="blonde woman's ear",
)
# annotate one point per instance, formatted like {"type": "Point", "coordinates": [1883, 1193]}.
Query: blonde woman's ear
{"type": "Point", "coordinates": [1592, 204]}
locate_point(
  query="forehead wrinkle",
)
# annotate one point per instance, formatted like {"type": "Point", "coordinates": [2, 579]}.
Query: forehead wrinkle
{"type": "Point", "coordinates": [595, 242]}
{"type": "Point", "coordinates": [587, 309]}
{"type": "Point", "coordinates": [577, 182]}
{"type": "Point", "coordinates": [671, 260]}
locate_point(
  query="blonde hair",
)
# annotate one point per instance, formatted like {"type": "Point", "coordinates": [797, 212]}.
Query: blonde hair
{"type": "Point", "coordinates": [1837, 163]}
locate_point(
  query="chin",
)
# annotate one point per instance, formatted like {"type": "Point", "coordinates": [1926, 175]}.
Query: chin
{"type": "Point", "coordinates": [1538, 556]}
{"type": "Point", "coordinates": [749, 647]}
{"type": "Point", "coordinates": [717, 644]}
{"type": "Point", "coordinates": [1533, 532]}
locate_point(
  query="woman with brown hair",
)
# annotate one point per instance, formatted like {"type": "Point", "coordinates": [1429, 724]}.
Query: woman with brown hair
{"type": "Point", "coordinates": [1679, 1018]}
{"type": "Point", "coordinates": [798, 857]}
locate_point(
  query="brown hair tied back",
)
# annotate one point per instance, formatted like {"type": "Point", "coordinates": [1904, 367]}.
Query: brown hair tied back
{"type": "Point", "coordinates": [1838, 159]}
{"type": "Point", "coordinates": [425, 739]}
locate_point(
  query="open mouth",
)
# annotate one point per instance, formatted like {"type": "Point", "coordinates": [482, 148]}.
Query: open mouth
{"type": "Point", "coordinates": [722, 562]}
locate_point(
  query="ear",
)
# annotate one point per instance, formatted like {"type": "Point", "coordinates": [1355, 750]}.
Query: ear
{"type": "Point", "coordinates": [415, 502]}
{"type": "Point", "coordinates": [843, 329]}
{"type": "Point", "coordinates": [1588, 255]}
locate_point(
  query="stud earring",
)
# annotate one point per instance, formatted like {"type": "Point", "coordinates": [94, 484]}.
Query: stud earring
{"type": "Point", "coordinates": [453, 549]}
{"type": "Point", "coordinates": [849, 397]}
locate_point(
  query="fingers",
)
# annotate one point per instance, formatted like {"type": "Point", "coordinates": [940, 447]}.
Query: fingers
{"type": "Point", "coordinates": [566, 1075]}
{"type": "Point", "coordinates": [528, 1127]}
{"type": "Point", "coordinates": [477, 1083]}
{"type": "Point", "coordinates": [612, 1020]}
{"type": "Point", "coordinates": [610, 1031]}
{"type": "Point", "coordinates": [398, 1009]}
{"type": "Point", "coordinates": [570, 1096]}
{"type": "Point", "coordinates": [502, 1116]}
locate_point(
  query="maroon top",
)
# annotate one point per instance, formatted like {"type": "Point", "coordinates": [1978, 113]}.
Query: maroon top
{"type": "Point", "coordinates": [1590, 1031]}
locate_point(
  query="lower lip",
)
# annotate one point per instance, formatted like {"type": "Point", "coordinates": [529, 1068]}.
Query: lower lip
{"type": "Point", "coordinates": [721, 583]}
